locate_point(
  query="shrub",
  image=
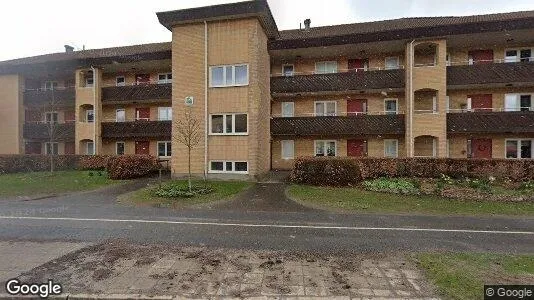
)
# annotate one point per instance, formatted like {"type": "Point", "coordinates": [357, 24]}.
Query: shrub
{"type": "Point", "coordinates": [326, 171]}
{"type": "Point", "coordinates": [180, 190]}
{"type": "Point", "coordinates": [36, 163]}
{"type": "Point", "coordinates": [94, 162]}
{"type": "Point", "coordinates": [131, 166]}
{"type": "Point", "coordinates": [389, 185]}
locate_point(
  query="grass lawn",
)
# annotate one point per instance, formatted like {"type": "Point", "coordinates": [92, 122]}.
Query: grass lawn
{"type": "Point", "coordinates": [358, 200]}
{"type": "Point", "coordinates": [37, 183]}
{"type": "Point", "coordinates": [221, 190]}
{"type": "Point", "coordinates": [462, 276]}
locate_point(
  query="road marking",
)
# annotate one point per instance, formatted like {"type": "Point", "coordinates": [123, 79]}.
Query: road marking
{"type": "Point", "coordinates": [266, 225]}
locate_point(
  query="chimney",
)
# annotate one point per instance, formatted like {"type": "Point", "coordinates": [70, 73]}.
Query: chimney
{"type": "Point", "coordinates": [307, 24]}
{"type": "Point", "coordinates": [69, 49]}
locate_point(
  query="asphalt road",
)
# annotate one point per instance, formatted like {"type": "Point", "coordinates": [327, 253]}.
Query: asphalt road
{"type": "Point", "coordinates": [95, 216]}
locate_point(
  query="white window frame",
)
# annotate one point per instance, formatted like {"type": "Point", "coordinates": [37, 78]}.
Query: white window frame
{"type": "Point", "coordinates": [519, 140]}
{"type": "Point", "coordinates": [87, 148]}
{"type": "Point", "coordinates": [117, 148]}
{"type": "Point", "coordinates": [87, 116]}
{"type": "Point", "coordinates": [168, 112]}
{"type": "Point", "coordinates": [167, 143]}
{"type": "Point", "coordinates": [233, 83]}
{"type": "Point", "coordinates": [325, 62]}
{"type": "Point", "coordinates": [396, 106]}
{"type": "Point", "coordinates": [290, 155]}
{"type": "Point", "coordinates": [166, 80]}
{"type": "Point", "coordinates": [53, 145]}
{"type": "Point", "coordinates": [117, 114]}
{"type": "Point", "coordinates": [292, 105]}
{"type": "Point", "coordinates": [517, 57]}
{"type": "Point", "coordinates": [386, 63]}
{"type": "Point", "coordinates": [224, 171]}
{"type": "Point", "coordinates": [292, 72]}
{"type": "Point", "coordinates": [53, 85]}
{"type": "Point", "coordinates": [396, 148]}
{"type": "Point", "coordinates": [87, 84]}
{"type": "Point", "coordinates": [324, 147]}
{"type": "Point", "coordinates": [517, 97]}
{"type": "Point", "coordinates": [123, 83]}
{"type": "Point", "coordinates": [224, 124]}
{"type": "Point", "coordinates": [324, 103]}
{"type": "Point", "coordinates": [51, 113]}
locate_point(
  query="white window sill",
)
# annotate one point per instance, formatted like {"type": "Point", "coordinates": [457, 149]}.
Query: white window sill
{"type": "Point", "coordinates": [223, 172]}
{"type": "Point", "coordinates": [228, 134]}
{"type": "Point", "coordinates": [228, 86]}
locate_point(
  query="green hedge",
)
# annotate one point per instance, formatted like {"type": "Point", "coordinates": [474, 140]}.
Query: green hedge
{"type": "Point", "coordinates": [338, 171]}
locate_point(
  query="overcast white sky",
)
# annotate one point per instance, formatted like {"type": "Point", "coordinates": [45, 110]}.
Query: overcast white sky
{"type": "Point", "coordinates": [34, 27]}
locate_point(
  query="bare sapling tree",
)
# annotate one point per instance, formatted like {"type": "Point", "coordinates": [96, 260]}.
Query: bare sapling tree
{"type": "Point", "coordinates": [187, 132]}
{"type": "Point", "coordinates": [51, 121]}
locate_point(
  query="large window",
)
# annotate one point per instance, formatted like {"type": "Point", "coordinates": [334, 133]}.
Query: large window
{"type": "Point", "coordinates": [390, 106]}
{"type": "Point", "coordinates": [516, 55]}
{"type": "Point", "coordinates": [120, 115]}
{"type": "Point", "coordinates": [165, 113]}
{"type": "Point", "coordinates": [50, 85]}
{"type": "Point", "coordinates": [222, 166]}
{"type": "Point", "coordinates": [392, 63]}
{"type": "Point", "coordinates": [391, 148]}
{"type": "Point", "coordinates": [164, 78]}
{"type": "Point", "coordinates": [288, 70]}
{"type": "Point", "coordinates": [51, 117]}
{"type": "Point", "coordinates": [518, 102]}
{"type": "Point", "coordinates": [519, 148]}
{"type": "Point", "coordinates": [325, 148]}
{"type": "Point", "coordinates": [325, 108]}
{"type": "Point", "coordinates": [324, 67]}
{"type": "Point", "coordinates": [119, 148]}
{"type": "Point", "coordinates": [51, 148]}
{"type": "Point", "coordinates": [288, 149]}
{"type": "Point", "coordinates": [229, 124]}
{"type": "Point", "coordinates": [288, 109]}
{"type": "Point", "coordinates": [164, 149]}
{"type": "Point", "coordinates": [232, 75]}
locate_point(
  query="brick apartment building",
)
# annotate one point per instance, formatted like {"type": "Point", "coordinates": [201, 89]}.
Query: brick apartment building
{"type": "Point", "coordinates": [458, 87]}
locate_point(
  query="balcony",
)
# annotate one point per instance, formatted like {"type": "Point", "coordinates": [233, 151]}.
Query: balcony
{"type": "Point", "coordinates": [137, 129]}
{"type": "Point", "coordinates": [490, 73]}
{"type": "Point", "coordinates": [134, 93]}
{"type": "Point", "coordinates": [57, 98]}
{"type": "Point", "coordinates": [491, 122]}
{"type": "Point", "coordinates": [338, 82]}
{"type": "Point", "coordinates": [41, 131]}
{"type": "Point", "coordinates": [338, 126]}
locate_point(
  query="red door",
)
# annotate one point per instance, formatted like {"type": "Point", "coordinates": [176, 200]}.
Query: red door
{"type": "Point", "coordinates": [356, 65]}
{"type": "Point", "coordinates": [356, 107]}
{"type": "Point", "coordinates": [69, 148]}
{"type": "Point", "coordinates": [69, 116]}
{"type": "Point", "coordinates": [481, 56]}
{"type": "Point", "coordinates": [142, 113]}
{"type": "Point", "coordinates": [142, 78]}
{"type": "Point", "coordinates": [356, 148]}
{"type": "Point", "coordinates": [482, 102]}
{"type": "Point", "coordinates": [481, 148]}
{"type": "Point", "coordinates": [142, 147]}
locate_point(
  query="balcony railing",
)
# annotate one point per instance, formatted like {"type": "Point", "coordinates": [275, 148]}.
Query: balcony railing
{"type": "Point", "coordinates": [42, 131]}
{"type": "Point", "coordinates": [137, 129]}
{"type": "Point", "coordinates": [491, 122]}
{"type": "Point", "coordinates": [139, 92]}
{"type": "Point", "coordinates": [338, 126]}
{"type": "Point", "coordinates": [490, 73]}
{"type": "Point", "coordinates": [58, 97]}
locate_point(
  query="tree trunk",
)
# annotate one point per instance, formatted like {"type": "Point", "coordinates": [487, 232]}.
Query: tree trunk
{"type": "Point", "coordinates": [51, 163]}
{"type": "Point", "coordinates": [189, 166]}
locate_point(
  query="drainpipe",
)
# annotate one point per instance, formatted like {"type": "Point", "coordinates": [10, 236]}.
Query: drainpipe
{"type": "Point", "coordinates": [412, 145]}
{"type": "Point", "coordinates": [94, 109]}
{"type": "Point", "coordinates": [205, 99]}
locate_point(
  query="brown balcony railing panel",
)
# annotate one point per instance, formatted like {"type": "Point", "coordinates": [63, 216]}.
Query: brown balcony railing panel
{"type": "Point", "coordinates": [363, 80]}
{"type": "Point", "coordinates": [137, 129]}
{"type": "Point", "coordinates": [137, 92]}
{"type": "Point", "coordinates": [491, 122]}
{"type": "Point", "coordinates": [491, 73]}
{"type": "Point", "coordinates": [41, 131]}
{"type": "Point", "coordinates": [60, 97]}
{"type": "Point", "coordinates": [338, 126]}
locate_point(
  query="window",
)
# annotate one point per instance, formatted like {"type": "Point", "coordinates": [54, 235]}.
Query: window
{"type": "Point", "coordinates": [447, 59]}
{"type": "Point", "coordinates": [232, 75]}
{"type": "Point", "coordinates": [120, 115]}
{"type": "Point", "coordinates": [90, 116]}
{"type": "Point", "coordinates": [89, 81]}
{"type": "Point", "coordinates": [516, 55]}
{"type": "Point", "coordinates": [288, 149]}
{"type": "Point", "coordinates": [518, 102]}
{"type": "Point", "coordinates": [238, 167]}
{"type": "Point", "coordinates": [165, 113]}
{"type": "Point", "coordinates": [288, 70]}
{"type": "Point", "coordinates": [165, 78]}
{"type": "Point", "coordinates": [325, 148]}
{"type": "Point", "coordinates": [288, 109]}
{"type": "Point", "coordinates": [90, 148]}
{"type": "Point", "coordinates": [51, 117]}
{"type": "Point", "coordinates": [119, 148]}
{"type": "Point", "coordinates": [325, 108]}
{"type": "Point", "coordinates": [324, 67]}
{"type": "Point", "coordinates": [229, 124]}
{"type": "Point", "coordinates": [391, 148]}
{"type": "Point", "coordinates": [392, 62]}
{"type": "Point", "coordinates": [120, 81]}
{"type": "Point", "coordinates": [50, 85]}
{"type": "Point", "coordinates": [390, 106]}
{"type": "Point", "coordinates": [164, 149]}
{"type": "Point", "coordinates": [51, 148]}
{"type": "Point", "coordinates": [517, 148]}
